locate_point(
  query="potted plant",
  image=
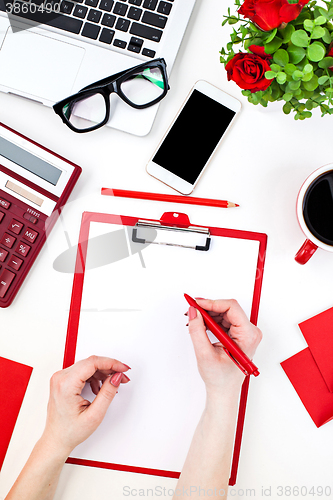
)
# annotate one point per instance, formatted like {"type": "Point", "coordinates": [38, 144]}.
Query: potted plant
{"type": "Point", "coordinates": [285, 54]}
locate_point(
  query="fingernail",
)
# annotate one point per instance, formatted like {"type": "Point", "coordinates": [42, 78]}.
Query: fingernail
{"type": "Point", "coordinates": [127, 366]}
{"type": "Point", "coordinates": [200, 298]}
{"type": "Point", "coordinates": [192, 313]}
{"type": "Point", "coordinates": [128, 379]}
{"type": "Point", "coordinates": [116, 378]}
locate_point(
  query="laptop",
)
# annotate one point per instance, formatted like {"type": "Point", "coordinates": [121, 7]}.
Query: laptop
{"type": "Point", "coordinates": [50, 49]}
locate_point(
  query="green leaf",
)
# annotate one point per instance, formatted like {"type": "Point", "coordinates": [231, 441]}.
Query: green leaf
{"type": "Point", "coordinates": [232, 20]}
{"type": "Point", "coordinates": [275, 90]}
{"type": "Point", "coordinates": [327, 37]}
{"type": "Point", "coordinates": [326, 62]}
{"type": "Point", "coordinates": [307, 68]}
{"type": "Point", "coordinates": [289, 69]}
{"type": "Point", "coordinates": [281, 78]}
{"type": "Point", "coordinates": [287, 96]}
{"type": "Point", "coordinates": [307, 77]}
{"type": "Point", "coordinates": [287, 108]}
{"type": "Point", "coordinates": [323, 79]}
{"type": "Point", "coordinates": [300, 38]}
{"type": "Point", "coordinates": [296, 54]}
{"type": "Point", "coordinates": [316, 52]}
{"type": "Point", "coordinates": [275, 67]}
{"type": "Point", "coordinates": [293, 85]}
{"type": "Point", "coordinates": [309, 105]}
{"type": "Point", "coordinates": [281, 57]}
{"type": "Point", "coordinates": [308, 24]}
{"type": "Point", "coordinates": [311, 84]}
{"type": "Point", "coordinates": [324, 13]}
{"type": "Point", "coordinates": [273, 46]}
{"type": "Point", "coordinates": [271, 36]}
{"type": "Point", "coordinates": [320, 20]}
{"type": "Point", "coordinates": [297, 74]}
{"type": "Point", "coordinates": [270, 74]}
{"type": "Point", "coordinates": [318, 32]}
{"type": "Point", "coordinates": [287, 32]}
{"type": "Point", "coordinates": [243, 30]}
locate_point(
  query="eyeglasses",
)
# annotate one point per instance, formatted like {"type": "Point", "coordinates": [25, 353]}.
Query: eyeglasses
{"type": "Point", "coordinates": [140, 87]}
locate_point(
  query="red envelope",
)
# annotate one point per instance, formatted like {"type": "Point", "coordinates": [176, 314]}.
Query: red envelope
{"type": "Point", "coordinates": [305, 376]}
{"type": "Point", "coordinates": [14, 379]}
{"type": "Point", "coordinates": [318, 333]}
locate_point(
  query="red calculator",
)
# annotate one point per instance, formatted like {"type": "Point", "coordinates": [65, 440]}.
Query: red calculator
{"type": "Point", "coordinates": [35, 183]}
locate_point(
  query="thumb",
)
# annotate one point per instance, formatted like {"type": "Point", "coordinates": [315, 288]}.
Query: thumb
{"type": "Point", "coordinates": [105, 396]}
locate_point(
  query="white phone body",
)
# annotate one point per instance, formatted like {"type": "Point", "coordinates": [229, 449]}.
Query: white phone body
{"type": "Point", "coordinates": [193, 137]}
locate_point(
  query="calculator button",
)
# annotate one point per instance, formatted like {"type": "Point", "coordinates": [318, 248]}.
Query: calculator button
{"type": "Point", "coordinates": [22, 249]}
{"type": "Point", "coordinates": [30, 218]}
{"type": "Point", "coordinates": [15, 263]}
{"type": "Point", "coordinates": [15, 226]}
{"type": "Point", "coordinates": [3, 254]}
{"type": "Point", "coordinates": [1, 216]}
{"type": "Point", "coordinates": [30, 235]}
{"type": "Point", "coordinates": [8, 240]}
{"type": "Point", "coordinates": [6, 279]}
{"type": "Point", "coordinates": [4, 204]}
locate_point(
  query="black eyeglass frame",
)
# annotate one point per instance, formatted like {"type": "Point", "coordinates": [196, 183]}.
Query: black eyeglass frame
{"type": "Point", "coordinates": [106, 87]}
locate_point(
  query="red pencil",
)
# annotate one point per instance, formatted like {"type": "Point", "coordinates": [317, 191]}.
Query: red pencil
{"type": "Point", "coordinates": [236, 354]}
{"type": "Point", "coordinates": [168, 197]}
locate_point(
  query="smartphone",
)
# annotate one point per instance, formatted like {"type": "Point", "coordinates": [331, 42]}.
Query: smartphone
{"type": "Point", "coordinates": [193, 137]}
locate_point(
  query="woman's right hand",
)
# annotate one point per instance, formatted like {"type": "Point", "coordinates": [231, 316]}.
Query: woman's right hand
{"type": "Point", "coordinates": [215, 366]}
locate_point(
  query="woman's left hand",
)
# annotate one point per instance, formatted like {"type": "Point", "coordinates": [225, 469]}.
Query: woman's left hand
{"type": "Point", "coordinates": [70, 418]}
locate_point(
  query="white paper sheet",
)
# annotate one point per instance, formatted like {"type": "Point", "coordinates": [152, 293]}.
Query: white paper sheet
{"type": "Point", "coordinates": [133, 310]}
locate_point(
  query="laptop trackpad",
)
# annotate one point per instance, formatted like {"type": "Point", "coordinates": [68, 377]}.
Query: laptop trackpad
{"type": "Point", "coordinates": [39, 65]}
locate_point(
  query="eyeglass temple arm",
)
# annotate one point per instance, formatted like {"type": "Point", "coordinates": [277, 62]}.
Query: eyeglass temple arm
{"type": "Point", "coordinates": [110, 79]}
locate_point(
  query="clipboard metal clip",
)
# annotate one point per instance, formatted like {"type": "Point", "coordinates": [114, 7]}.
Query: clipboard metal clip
{"type": "Point", "coordinates": [172, 221]}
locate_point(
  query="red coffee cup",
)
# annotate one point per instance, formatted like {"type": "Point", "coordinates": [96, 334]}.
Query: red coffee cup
{"type": "Point", "coordinates": [312, 242]}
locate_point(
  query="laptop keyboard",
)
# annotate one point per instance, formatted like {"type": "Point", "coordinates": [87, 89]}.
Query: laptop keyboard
{"type": "Point", "coordinates": [104, 20]}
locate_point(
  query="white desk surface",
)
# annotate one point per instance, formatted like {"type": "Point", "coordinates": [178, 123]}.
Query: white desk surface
{"type": "Point", "coordinates": [261, 165]}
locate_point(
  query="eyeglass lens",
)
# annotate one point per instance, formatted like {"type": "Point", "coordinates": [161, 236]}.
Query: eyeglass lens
{"type": "Point", "coordinates": [140, 88]}
{"type": "Point", "coordinates": [85, 112]}
{"type": "Point", "coordinates": [144, 86]}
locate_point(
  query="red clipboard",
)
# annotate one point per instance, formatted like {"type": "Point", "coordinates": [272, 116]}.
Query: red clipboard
{"type": "Point", "coordinates": [75, 309]}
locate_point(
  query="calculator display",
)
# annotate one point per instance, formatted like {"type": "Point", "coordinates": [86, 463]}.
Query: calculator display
{"type": "Point", "coordinates": [30, 162]}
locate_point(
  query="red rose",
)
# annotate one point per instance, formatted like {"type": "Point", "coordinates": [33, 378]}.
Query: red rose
{"type": "Point", "coordinates": [270, 14]}
{"type": "Point", "coordinates": [248, 70]}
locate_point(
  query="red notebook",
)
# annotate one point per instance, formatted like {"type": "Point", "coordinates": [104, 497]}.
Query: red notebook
{"type": "Point", "coordinates": [318, 333]}
{"type": "Point", "coordinates": [14, 379]}
{"type": "Point", "coordinates": [309, 384]}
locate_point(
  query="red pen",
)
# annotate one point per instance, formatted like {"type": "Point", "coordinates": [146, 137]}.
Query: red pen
{"type": "Point", "coordinates": [231, 348]}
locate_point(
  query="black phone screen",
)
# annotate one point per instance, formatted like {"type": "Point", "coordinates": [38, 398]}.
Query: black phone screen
{"type": "Point", "coordinates": [193, 137]}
